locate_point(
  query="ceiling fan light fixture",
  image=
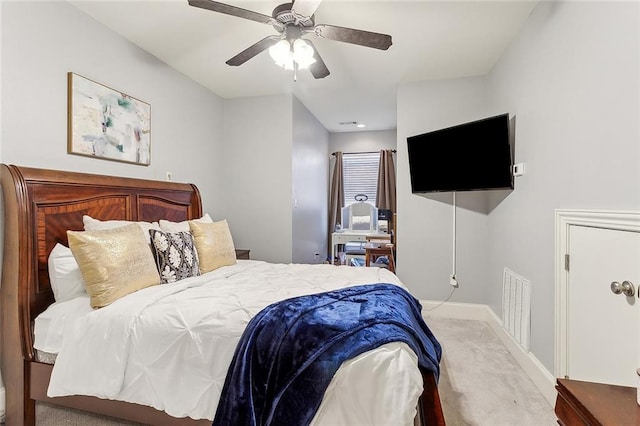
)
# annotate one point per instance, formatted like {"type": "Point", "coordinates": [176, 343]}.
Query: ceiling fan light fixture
{"type": "Point", "coordinates": [281, 54]}
{"type": "Point", "coordinates": [284, 53]}
{"type": "Point", "coordinates": [305, 63]}
{"type": "Point", "coordinates": [303, 53]}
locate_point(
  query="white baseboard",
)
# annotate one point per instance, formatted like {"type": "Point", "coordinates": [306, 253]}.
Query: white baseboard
{"type": "Point", "coordinates": [467, 311]}
{"type": "Point", "coordinates": [539, 375]}
{"type": "Point", "coordinates": [3, 403]}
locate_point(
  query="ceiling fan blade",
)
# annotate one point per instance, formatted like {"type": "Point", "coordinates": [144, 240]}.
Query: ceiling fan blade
{"type": "Point", "coordinates": [216, 6]}
{"type": "Point", "coordinates": [353, 36]}
{"type": "Point", "coordinates": [305, 8]}
{"type": "Point", "coordinates": [318, 68]}
{"type": "Point", "coordinates": [253, 50]}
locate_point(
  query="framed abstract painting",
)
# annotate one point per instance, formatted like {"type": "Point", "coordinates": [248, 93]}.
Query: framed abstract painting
{"type": "Point", "coordinates": [108, 124]}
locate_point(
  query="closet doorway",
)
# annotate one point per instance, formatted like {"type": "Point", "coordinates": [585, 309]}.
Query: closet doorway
{"type": "Point", "coordinates": [597, 328]}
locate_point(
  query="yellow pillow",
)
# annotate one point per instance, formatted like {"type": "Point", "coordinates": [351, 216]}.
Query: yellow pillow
{"type": "Point", "coordinates": [214, 244]}
{"type": "Point", "coordinates": [113, 262]}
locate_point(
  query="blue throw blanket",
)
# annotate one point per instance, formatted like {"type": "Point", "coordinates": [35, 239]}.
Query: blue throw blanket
{"type": "Point", "coordinates": [290, 351]}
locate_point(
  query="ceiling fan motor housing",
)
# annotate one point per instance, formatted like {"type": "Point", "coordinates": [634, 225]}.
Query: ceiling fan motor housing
{"type": "Point", "coordinates": [284, 15]}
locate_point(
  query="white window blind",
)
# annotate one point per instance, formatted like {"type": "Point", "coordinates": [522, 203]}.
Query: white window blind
{"type": "Point", "coordinates": [360, 174]}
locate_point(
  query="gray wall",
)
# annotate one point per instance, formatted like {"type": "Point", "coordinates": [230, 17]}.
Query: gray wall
{"type": "Point", "coordinates": [276, 168]}
{"type": "Point", "coordinates": [42, 41]}
{"type": "Point", "coordinates": [258, 175]}
{"type": "Point", "coordinates": [362, 141]}
{"type": "Point", "coordinates": [571, 80]}
{"type": "Point", "coordinates": [310, 162]}
{"type": "Point", "coordinates": [425, 223]}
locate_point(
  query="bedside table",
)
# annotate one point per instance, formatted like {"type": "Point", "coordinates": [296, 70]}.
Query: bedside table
{"type": "Point", "coordinates": [242, 254]}
{"type": "Point", "coordinates": [594, 404]}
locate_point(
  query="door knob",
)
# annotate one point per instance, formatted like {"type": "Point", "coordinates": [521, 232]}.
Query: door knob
{"type": "Point", "coordinates": [627, 288]}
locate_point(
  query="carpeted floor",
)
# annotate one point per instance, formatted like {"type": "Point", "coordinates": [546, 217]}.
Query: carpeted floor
{"type": "Point", "coordinates": [480, 384]}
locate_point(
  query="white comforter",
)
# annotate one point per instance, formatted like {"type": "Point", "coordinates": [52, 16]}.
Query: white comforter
{"type": "Point", "coordinates": [169, 346]}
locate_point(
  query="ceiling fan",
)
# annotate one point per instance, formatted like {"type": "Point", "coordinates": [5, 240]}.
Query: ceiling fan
{"type": "Point", "coordinates": [293, 21]}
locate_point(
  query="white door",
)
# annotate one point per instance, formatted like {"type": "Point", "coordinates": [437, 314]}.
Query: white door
{"type": "Point", "coordinates": [603, 327]}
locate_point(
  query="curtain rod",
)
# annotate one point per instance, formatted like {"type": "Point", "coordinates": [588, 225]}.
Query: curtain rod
{"type": "Point", "coordinates": [362, 152]}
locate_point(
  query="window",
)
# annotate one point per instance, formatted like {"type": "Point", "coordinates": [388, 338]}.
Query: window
{"type": "Point", "coordinates": [360, 174]}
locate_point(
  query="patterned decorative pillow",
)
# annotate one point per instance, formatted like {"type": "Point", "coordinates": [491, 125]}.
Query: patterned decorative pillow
{"type": "Point", "coordinates": [175, 254]}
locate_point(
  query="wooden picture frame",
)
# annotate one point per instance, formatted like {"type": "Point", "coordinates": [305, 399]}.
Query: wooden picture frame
{"type": "Point", "coordinates": [106, 123]}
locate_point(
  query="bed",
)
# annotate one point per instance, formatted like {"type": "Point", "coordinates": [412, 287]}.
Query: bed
{"type": "Point", "coordinates": [40, 206]}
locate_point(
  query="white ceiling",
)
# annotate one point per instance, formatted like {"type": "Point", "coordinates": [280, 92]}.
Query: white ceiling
{"type": "Point", "coordinates": [431, 40]}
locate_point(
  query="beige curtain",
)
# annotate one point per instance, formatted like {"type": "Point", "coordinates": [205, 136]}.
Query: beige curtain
{"type": "Point", "coordinates": [336, 199]}
{"type": "Point", "coordinates": [386, 193]}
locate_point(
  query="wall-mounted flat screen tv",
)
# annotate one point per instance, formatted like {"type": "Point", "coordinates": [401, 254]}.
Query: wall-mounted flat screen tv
{"type": "Point", "coordinates": [467, 157]}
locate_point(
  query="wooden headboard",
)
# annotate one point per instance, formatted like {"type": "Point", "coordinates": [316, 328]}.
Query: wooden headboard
{"type": "Point", "coordinates": [39, 207]}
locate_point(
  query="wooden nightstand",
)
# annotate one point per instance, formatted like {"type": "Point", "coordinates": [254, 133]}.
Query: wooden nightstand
{"type": "Point", "coordinates": [586, 403]}
{"type": "Point", "coordinates": [242, 254]}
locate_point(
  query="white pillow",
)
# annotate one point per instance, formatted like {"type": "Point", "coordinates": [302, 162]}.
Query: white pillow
{"type": "Point", "coordinates": [91, 224]}
{"type": "Point", "coordinates": [172, 227]}
{"type": "Point", "coordinates": [49, 326]}
{"type": "Point", "coordinates": [64, 274]}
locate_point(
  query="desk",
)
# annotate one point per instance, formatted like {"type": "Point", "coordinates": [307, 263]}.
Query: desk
{"type": "Point", "coordinates": [344, 237]}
